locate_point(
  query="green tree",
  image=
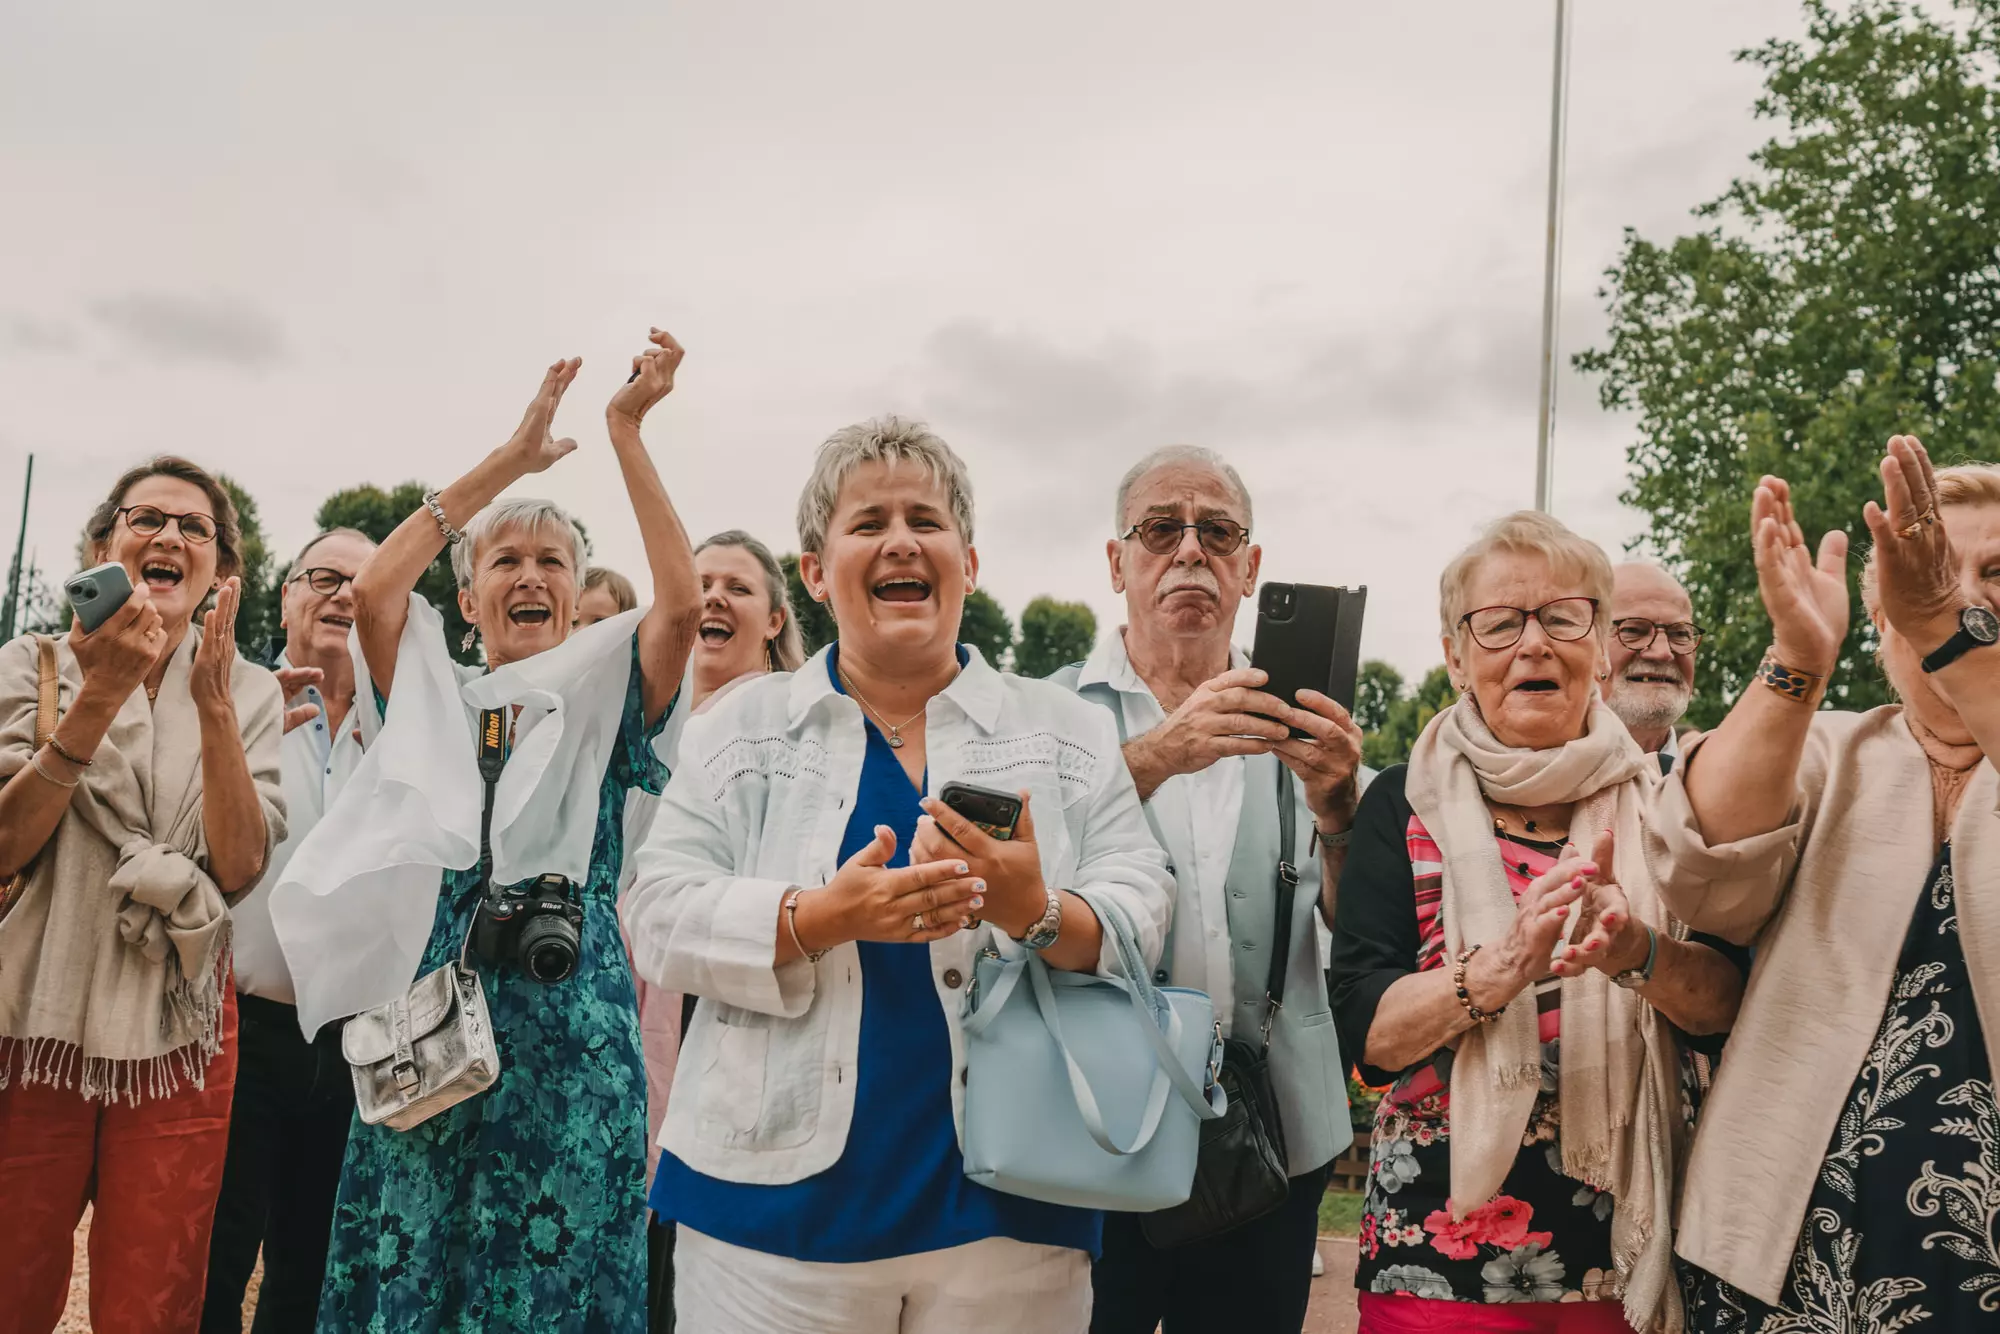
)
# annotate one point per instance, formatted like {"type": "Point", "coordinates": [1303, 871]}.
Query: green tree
{"type": "Point", "coordinates": [257, 632]}
{"type": "Point", "coordinates": [376, 512]}
{"type": "Point", "coordinates": [985, 626]}
{"type": "Point", "coordinates": [816, 626]}
{"type": "Point", "coordinates": [1843, 290]}
{"type": "Point", "coordinates": [1376, 689]}
{"type": "Point", "coordinates": [1405, 719]}
{"type": "Point", "coordinates": [1053, 635]}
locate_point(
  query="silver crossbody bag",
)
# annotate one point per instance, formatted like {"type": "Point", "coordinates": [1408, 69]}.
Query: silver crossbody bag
{"type": "Point", "coordinates": [432, 1047]}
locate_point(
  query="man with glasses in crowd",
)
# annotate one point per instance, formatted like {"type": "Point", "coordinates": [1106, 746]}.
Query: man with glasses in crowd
{"type": "Point", "coordinates": [294, 1098]}
{"type": "Point", "coordinates": [1653, 642]}
{"type": "Point", "coordinates": [1212, 772]}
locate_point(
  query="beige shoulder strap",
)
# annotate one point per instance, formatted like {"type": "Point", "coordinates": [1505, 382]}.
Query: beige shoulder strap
{"type": "Point", "coordinates": [45, 711]}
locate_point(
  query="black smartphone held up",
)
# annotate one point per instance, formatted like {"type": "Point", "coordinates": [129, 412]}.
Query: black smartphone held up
{"type": "Point", "coordinates": [996, 813]}
{"type": "Point", "coordinates": [1309, 638]}
{"type": "Point", "coordinates": [98, 592]}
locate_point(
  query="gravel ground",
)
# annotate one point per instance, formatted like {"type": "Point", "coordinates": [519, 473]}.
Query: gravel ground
{"type": "Point", "coordinates": [76, 1318]}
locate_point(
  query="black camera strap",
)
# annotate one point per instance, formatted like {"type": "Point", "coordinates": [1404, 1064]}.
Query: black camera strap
{"type": "Point", "coordinates": [492, 758]}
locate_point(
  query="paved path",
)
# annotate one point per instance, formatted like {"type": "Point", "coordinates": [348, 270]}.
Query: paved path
{"type": "Point", "coordinates": [1331, 1312]}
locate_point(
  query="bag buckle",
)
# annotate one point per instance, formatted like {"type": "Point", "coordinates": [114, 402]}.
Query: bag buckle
{"type": "Point", "coordinates": [1215, 1057]}
{"type": "Point", "coordinates": [1288, 873]}
{"type": "Point", "coordinates": [405, 1072]}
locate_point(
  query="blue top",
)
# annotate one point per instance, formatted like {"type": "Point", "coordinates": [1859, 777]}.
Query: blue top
{"type": "Point", "coordinates": [899, 1187]}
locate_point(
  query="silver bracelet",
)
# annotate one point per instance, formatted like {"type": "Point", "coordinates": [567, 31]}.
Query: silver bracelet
{"type": "Point", "coordinates": [49, 777]}
{"type": "Point", "coordinates": [451, 535]}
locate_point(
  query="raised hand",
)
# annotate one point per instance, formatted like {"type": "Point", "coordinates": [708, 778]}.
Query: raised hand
{"type": "Point", "coordinates": [1916, 569]}
{"type": "Point", "coordinates": [533, 445]}
{"type": "Point", "coordinates": [866, 900]}
{"type": "Point", "coordinates": [215, 657]}
{"type": "Point", "coordinates": [116, 656]}
{"type": "Point", "coordinates": [1805, 598]}
{"type": "Point", "coordinates": [652, 379]}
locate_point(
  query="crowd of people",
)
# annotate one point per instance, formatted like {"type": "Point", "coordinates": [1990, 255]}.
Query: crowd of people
{"type": "Point", "coordinates": [1677, 1031]}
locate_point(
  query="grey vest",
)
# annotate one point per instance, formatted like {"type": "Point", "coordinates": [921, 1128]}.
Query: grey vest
{"type": "Point", "coordinates": [1307, 1072]}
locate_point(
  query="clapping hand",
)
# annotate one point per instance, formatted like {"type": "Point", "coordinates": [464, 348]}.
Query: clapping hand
{"type": "Point", "coordinates": [215, 659]}
{"type": "Point", "coordinates": [1805, 598]}
{"type": "Point", "coordinates": [533, 446]}
{"type": "Point", "coordinates": [1606, 935]}
{"type": "Point", "coordinates": [652, 379]}
{"type": "Point", "coordinates": [1916, 569]}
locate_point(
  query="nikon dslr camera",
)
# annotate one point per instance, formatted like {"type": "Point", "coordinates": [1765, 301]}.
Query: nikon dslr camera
{"type": "Point", "coordinates": [536, 925]}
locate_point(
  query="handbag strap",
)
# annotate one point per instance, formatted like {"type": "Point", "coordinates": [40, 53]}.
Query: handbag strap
{"type": "Point", "coordinates": [46, 716]}
{"type": "Point", "coordinates": [1103, 693]}
{"type": "Point", "coordinates": [1281, 926]}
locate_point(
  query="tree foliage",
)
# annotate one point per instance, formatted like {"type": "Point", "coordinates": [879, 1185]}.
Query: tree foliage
{"type": "Point", "coordinates": [985, 627]}
{"type": "Point", "coordinates": [1404, 717]}
{"type": "Point", "coordinates": [1844, 289]}
{"type": "Point", "coordinates": [1377, 687]}
{"type": "Point", "coordinates": [816, 625]}
{"type": "Point", "coordinates": [258, 635]}
{"type": "Point", "coordinates": [376, 512]}
{"type": "Point", "coordinates": [1053, 635]}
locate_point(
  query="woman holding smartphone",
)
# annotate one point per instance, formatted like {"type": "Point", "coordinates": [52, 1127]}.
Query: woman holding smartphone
{"type": "Point", "coordinates": [151, 807]}
{"type": "Point", "coordinates": [826, 909]}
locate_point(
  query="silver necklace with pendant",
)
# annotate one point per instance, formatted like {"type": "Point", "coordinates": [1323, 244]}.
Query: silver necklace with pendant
{"type": "Point", "coordinates": [895, 737]}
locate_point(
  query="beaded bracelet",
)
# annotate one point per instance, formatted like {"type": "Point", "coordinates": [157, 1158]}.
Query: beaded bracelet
{"type": "Point", "coordinates": [1479, 1016]}
{"type": "Point", "coordinates": [55, 744]}
{"type": "Point", "coordinates": [452, 536]}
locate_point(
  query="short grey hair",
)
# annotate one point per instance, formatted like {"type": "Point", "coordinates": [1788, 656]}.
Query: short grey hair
{"type": "Point", "coordinates": [889, 439]}
{"type": "Point", "coordinates": [1167, 456]}
{"type": "Point", "coordinates": [534, 515]}
{"type": "Point", "coordinates": [298, 566]}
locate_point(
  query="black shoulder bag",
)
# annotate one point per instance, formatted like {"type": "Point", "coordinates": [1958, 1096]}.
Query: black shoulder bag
{"type": "Point", "coordinates": [1239, 1173]}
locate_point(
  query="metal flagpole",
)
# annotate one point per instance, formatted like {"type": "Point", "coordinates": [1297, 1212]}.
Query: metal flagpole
{"type": "Point", "coordinates": [1551, 258]}
{"type": "Point", "coordinates": [7, 613]}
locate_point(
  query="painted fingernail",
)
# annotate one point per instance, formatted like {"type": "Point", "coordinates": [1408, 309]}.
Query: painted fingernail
{"type": "Point", "coordinates": [979, 886]}
{"type": "Point", "coordinates": [963, 869]}
{"type": "Point", "coordinates": [1562, 910]}
{"type": "Point", "coordinates": [1569, 954]}
{"type": "Point", "coordinates": [978, 902]}
{"type": "Point", "coordinates": [1611, 919]}
{"type": "Point", "coordinates": [1576, 882]}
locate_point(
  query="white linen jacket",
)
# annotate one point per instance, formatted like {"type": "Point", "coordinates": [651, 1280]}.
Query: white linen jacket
{"type": "Point", "coordinates": [764, 1090]}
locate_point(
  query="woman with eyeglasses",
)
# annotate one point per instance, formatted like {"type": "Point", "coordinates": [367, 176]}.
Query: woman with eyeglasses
{"type": "Point", "coordinates": [1848, 1168]}
{"type": "Point", "coordinates": [1501, 958]}
{"type": "Point", "coordinates": [153, 804]}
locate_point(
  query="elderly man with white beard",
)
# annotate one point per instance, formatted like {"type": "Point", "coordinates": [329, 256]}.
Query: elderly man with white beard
{"type": "Point", "coordinates": [1653, 643]}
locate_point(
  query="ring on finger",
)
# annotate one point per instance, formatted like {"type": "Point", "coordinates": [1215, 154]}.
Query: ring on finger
{"type": "Point", "coordinates": [1912, 530]}
{"type": "Point", "coordinates": [917, 923]}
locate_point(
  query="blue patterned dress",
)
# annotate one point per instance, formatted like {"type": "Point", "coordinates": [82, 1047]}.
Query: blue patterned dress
{"type": "Point", "coordinates": [524, 1207]}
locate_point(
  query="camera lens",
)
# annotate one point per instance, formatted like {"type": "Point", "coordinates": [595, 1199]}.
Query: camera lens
{"type": "Point", "coordinates": [548, 948]}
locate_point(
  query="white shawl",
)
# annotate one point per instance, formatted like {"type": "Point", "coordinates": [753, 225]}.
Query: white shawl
{"type": "Point", "coordinates": [354, 910]}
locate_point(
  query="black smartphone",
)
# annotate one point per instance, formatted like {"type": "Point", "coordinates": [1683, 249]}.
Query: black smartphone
{"type": "Point", "coordinates": [1309, 638]}
{"type": "Point", "coordinates": [97, 593]}
{"type": "Point", "coordinates": [996, 813]}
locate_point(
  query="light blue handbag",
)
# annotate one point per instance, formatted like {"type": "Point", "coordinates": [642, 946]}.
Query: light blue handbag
{"type": "Point", "coordinates": [1083, 1090]}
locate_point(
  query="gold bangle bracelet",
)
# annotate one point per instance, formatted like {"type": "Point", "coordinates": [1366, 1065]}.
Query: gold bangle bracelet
{"type": "Point", "coordinates": [1789, 681]}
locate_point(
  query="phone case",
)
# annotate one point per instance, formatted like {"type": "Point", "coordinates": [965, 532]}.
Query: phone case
{"type": "Point", "coordinates": [97, 593]}
{"type": "Point", "coordinates": [1309, 638]}
{"type": "Point", "coordinates": [995, 813]}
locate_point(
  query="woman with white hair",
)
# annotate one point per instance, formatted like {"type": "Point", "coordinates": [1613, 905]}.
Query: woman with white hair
{"type": "Point", "coordinates": [522, 1207]}
{"type": "Point", "coordinates": [1500, 956]}
{"type": "Point", "coordinates": [806, 883]}
{"type": "Point", "coordinates": [1847, 1172]}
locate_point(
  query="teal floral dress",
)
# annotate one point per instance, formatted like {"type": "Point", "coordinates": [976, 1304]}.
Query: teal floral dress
{"type": "Point", "coordinates": [524, 1207]}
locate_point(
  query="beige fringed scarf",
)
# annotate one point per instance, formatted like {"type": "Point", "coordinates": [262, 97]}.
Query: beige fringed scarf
{"type": "Point", "coordinates": [1618, 1071]}
{"type": "Point", "coordinates": [113, 960]}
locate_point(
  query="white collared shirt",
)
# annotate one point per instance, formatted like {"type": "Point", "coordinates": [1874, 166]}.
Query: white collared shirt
{"type": "Point", "coordinates": [1197, 815]}
{"type": "Point", "coordinates": [317, 764]}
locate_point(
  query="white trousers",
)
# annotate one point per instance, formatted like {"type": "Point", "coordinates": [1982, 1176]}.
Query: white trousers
{"type": "Point", "coordinates": [991, 1285]}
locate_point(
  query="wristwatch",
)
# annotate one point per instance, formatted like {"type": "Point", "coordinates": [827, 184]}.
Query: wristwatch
{"type": "Point", "coordinates": [1046, 928]}
{"type": "Point", "coordinates": [1640, 976]}
{"type": "Point", "coordinates": [1977, 627]}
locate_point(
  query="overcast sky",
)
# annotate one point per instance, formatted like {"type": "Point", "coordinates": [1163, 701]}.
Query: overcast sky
{"type": "Point", "coordinates": [316, 248]}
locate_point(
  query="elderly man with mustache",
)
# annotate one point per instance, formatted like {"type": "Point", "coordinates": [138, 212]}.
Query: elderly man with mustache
{"type": "Point", "coordinates": [1653, 643]}
{"type": "Point", "coordinates": [1215, 772]}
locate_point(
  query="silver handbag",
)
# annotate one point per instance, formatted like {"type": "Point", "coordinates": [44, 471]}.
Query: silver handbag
{"type": "Point", "coordinates": [427, 1050]}
{"type": "Point", "coordinates": [433, 1047]}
